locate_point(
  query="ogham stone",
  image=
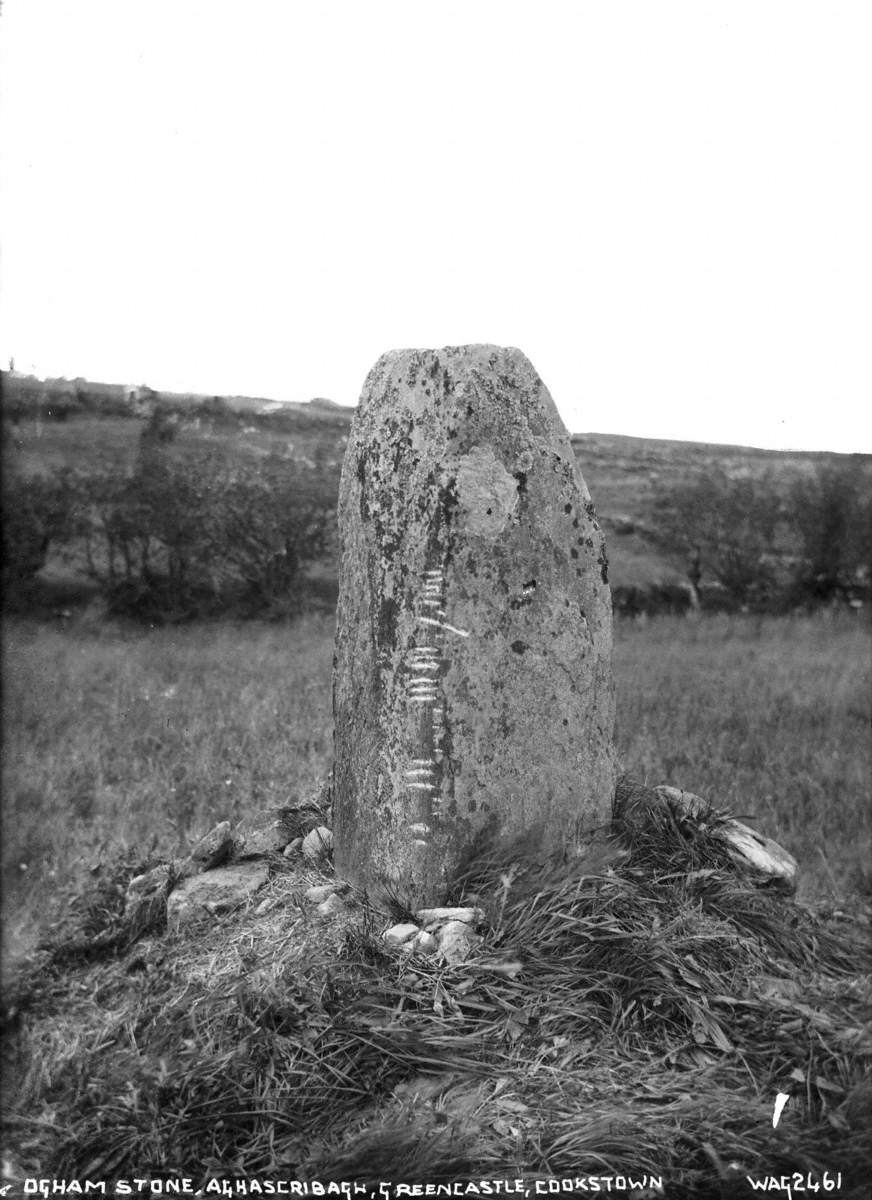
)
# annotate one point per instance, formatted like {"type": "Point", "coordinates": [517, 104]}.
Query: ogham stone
{"type": "Point", "coordinates": [472, 684]}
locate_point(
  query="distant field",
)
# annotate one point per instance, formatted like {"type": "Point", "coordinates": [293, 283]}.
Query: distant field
{"type": "Point", "coordinates": [623, 474]}
{"type": "Point", "coordinates": [118, 739]}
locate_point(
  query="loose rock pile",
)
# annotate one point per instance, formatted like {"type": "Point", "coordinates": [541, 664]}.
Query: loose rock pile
{"type": "Point", "coordinates": [227, 868]}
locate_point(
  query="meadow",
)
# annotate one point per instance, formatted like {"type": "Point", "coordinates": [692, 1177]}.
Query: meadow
{"type": "Point", "coordinates": [637, 1023]}
{"type": "Point", "coordinates": [121, 740]}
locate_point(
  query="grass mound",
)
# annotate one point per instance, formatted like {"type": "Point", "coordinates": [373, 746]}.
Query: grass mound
{"type": "Point", "coordinates": [635, 1021]}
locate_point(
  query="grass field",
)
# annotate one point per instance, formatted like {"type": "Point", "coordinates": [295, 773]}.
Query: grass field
{"type": "Point", "coordinates": [638, 1022]}
{"type": "Point", "coordinates": [122, 739]}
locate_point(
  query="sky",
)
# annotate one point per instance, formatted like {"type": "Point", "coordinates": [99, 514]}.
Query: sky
{"type": "Point", "coordinates": [664, 205]}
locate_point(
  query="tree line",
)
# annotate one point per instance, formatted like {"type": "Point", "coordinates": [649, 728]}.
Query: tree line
{"type": "Point", "coordinates": [194, 531]}
{"type": "Point", "coordinates": [181, 535]}
{"type": "Point", "coordinates": [768, 544]}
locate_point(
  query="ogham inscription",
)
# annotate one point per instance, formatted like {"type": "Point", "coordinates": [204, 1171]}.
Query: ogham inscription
{"type": "Point", "coordinates": [473, 698]}
{"type": "Point", "coordinates": [424, 664]}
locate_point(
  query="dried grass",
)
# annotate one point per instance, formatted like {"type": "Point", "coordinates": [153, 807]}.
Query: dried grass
{"type": "Point", "coordinates": [640, 1020]}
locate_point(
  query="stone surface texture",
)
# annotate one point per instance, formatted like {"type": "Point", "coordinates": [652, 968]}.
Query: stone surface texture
{"type": "Point", "coordinates": [267, 832]}
{"type": "Point", "coordinates": [319, 892]}
{"type": "Point", "coordinates": [215, 891]}
{"type": "Point", "coordinates": [317, 843]}
{"type": "Point", "coordinates": [331, 905]}
{"type": "Point", "coordinates": [437, 916]}
{"type": "Point", "coordinates": [456, 941]}
{"type": "Point", "coordinates": [473, 692]}
{"type": "Point", "coordinates": [397, 935]}
{"type": "Point", "coordinates": [213, 848]}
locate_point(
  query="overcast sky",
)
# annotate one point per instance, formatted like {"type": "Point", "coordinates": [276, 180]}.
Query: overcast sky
{"type": "Point", "coordinates": [666, 206]}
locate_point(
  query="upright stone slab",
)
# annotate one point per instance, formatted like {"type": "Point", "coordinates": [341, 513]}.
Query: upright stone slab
{"type": "Point", "coordinates": [472, 686]}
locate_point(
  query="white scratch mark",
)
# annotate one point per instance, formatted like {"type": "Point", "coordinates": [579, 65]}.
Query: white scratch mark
{"type": "Point", "coordinates": [445, 625]}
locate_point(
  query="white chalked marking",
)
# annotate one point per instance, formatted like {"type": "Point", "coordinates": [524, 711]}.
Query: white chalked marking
{"type": "Point", "coordinates": [423, 787]}
{"type": "Point", "coordinates": [419, 827]}
{"type": "Point", "coordinates": [780, 1101]}
{"type": "Point", "coordinates": [445, 625]}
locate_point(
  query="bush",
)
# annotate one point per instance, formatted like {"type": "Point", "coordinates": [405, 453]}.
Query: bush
{"type": "Point", "coordinates": [830, 516]}
{"type": "Point", "coordinates": [37, 511]}
{"type": "Point", "coordinates": [727, 529]}
{"type": "Point", "coordinates": [183, 537]}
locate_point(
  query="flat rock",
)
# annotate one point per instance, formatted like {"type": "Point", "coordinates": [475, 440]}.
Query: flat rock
{"type": "Point", "coordinates": [266, 832]}
{"type": "Point", "coordinates": [436, 916]}
{"type": "Point", "coordinates": [215, 892]}
{"type": "Point", "coordinates": [761, 855]}
{"type": "Point", "coordinates": [423, 943]}
{"type": "Point", "coordinates": [763, 859]}
{"type": "Point", "coordinates": [319, 892]}
{"type": "Point", "coordinates": [317, 843]}
{"type": "Point", "coordinates": [456, 941]}
{"type": "Point", "coordinates": [213, 848]}
{"type": "Point", "coordinates": [397, 935]}
{"type": "Point", "coordinates": [332, 905]}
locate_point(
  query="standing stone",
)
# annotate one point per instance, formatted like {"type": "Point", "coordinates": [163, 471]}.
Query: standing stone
{"type": "Point", "coordinates": [472, 685]}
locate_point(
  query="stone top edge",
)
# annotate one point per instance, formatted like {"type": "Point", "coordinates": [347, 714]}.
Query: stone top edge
{"type": "Point", "coordinates": [456, 359]}
{"type": "Point", "coordinates": [470, 349]}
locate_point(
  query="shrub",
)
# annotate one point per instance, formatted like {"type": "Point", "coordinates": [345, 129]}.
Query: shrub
{"type": "Point", "coordinates": [727, 527]}
{"type": "Point", "coordinates": [37, 511]}
{"type": "Point", "coordinates": [830, 516]}
{"type": "Point", "coordinates": [186, 536]}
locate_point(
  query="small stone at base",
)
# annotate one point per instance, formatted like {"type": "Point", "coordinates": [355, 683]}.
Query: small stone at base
{"type": "Point", "coordinates": [332, 905]}
{"type": "Point", "coordinates": [398, 934]}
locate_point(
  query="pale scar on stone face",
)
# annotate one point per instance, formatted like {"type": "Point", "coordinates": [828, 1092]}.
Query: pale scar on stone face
{"type": "Point", "coordinates": [487, 494]}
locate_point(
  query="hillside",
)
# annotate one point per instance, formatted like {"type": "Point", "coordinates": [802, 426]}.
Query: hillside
{"type": "Point", "coordinates": [88, 426]}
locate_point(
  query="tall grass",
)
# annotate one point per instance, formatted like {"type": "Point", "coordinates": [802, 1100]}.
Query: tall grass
{"type": "Point", "coordinates": [768, 718]}
{"type": "Point", "coordinates": [120, 740]}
